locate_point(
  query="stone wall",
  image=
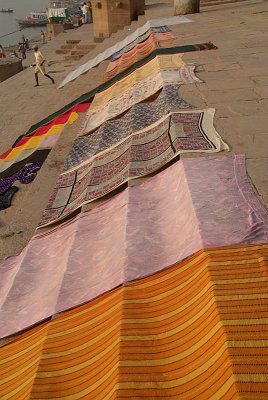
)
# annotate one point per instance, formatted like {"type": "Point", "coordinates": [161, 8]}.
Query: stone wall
{"type": "Point", "coordinates": [9, 67]}
{"type": "Point", "coordinates": [101, 27]}
{"type": "Point", "coordinates": [54, 30]}
{"type": "Point", "coordinates": [137, 8]}
{"type": "Point", "coordinates": [111, 15]}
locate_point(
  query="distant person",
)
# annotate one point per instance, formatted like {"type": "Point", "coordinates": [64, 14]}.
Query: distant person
{"type": "Point", "coordinates": [85, 10]}
{"type": "Point", "coordinates": [22, 50]}
{"type": "Point", "coordinates": [89, 12]}
{"type": "Point", "coordinates": [43, 37]}
{"type": "Point", "coordinates": [23, 38]}
{"type": "Point", "coordinates": [39, 65]}
{"type": "Point", "coordinates": [80, 16]}
{"type": "Point", "coordinates": [49, 34]}
{"type": "Point", "coordinates": [2, 52]}
{"type": "Point", "coordinates": [26, 44]}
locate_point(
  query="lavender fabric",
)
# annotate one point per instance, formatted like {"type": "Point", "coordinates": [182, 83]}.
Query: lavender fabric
{"type": "Point", "coordinates": [25, 175]}
{"type": "Point", "coordinates": [194, 204]}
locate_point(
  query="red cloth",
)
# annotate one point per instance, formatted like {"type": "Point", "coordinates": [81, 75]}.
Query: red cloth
{"type": "Point", "coordinates": [43, 129]}
{"type": "Point", "coordinates": [4, 155]}
{"type": "Point", "coordinates": [83, 107]}
{"type": "Point", "coordinates": [61, 119]}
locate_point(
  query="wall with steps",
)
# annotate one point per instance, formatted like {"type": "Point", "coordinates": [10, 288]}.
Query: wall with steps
{"type": "Point", "coordinates": [111, 15]}
{"type": "Point", "coordinates": [73, 50]}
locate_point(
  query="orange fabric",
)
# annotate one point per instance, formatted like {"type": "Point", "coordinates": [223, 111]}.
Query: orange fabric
{"type": "Point", "coordinates": [139, 52]}
{"type": "Point", "coordinates": [194, 331]}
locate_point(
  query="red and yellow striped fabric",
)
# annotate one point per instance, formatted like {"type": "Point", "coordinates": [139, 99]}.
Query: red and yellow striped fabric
{"type": "Point", "coordinates": [197, 330]}
{"type": "Point", "coordinates": [44, 137]}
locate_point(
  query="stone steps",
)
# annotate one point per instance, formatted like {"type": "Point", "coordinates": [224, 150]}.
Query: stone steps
{"type": "Point", "coordinates": [67, 46]}
{"type": "Point", "coordinates": [79, 52]}
{"type": "Point", "coordinates": [73, 41]}
{"type": "Point", "coordinates": [84, 47]}
{"type": "Point", "coordinates": [74, 49]}
{"type": "Point", "coordinates": [205, 3]}
{"type": "Point", "coordinates": [74, 57]}
{"type": "Point", "coordinates": [62, 51]}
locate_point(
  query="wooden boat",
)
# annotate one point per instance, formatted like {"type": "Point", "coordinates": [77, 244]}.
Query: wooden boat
{"type": "Point", "coordinates": [35, 19]}
{"type": "Point", "coordinates": [6, 10]}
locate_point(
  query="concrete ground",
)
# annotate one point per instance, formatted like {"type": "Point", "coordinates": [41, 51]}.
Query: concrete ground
{"type": "Point", "coordinates": [235, 82]}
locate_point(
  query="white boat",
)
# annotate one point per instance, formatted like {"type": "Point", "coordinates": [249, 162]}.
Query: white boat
{"type": "Point", "coordinates": [35, 19]}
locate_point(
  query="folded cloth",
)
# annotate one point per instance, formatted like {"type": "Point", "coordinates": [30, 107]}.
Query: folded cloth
{"type": "Point", "coordinates": [6, 198]}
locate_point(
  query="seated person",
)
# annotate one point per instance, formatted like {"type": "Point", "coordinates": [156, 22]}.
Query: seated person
{"type": "Point", "coordinates": [2, 52]}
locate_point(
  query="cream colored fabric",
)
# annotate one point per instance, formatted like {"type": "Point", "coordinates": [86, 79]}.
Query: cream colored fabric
{"type": "Point", "coordinates": [166, 61]}
{"type": "Point", "coordinates": [39, 59]}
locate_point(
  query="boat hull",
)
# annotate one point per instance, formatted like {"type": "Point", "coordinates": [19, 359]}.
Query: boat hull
{"type": "Point", "coordinates": [26, 23]}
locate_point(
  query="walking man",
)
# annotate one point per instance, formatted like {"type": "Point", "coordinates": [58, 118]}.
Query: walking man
{"type": "Point", "coordinates": [39, 65]}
